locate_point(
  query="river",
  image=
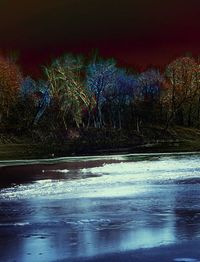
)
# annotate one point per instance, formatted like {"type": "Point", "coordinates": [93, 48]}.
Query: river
{"type": "Point", "coordinates": [111, 208]}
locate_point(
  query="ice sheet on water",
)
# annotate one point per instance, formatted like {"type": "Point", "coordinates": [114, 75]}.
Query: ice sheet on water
{"type": "Point", "coordinates": [59, 170]}
{"type": "Point", "coordinates": [113, 180]}
{"type": "Point", "coordinates": [103, 186]}
{"type": "Point", "coordinates": [138, 167]}
{"type": "Point", "coordinates": [186, 260]}
{"type": "Point", "coordinates": [20, 224]}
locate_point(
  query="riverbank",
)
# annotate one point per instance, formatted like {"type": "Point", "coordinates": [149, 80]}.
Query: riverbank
{"type": "Point", "coordinates": [100, 142]}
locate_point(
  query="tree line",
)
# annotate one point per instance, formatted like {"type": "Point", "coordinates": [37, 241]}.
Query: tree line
{"type": "Point", "coordinates": [75, 92]}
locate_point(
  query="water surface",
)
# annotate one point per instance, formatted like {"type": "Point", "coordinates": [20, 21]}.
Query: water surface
{"type": "Point", "coordinates": [104, 205]}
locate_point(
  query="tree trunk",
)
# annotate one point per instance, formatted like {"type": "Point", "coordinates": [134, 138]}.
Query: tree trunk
{"type": "Point", "coordinates": [119, 119]}
{"type": "Point", "coordinates": [137, 124]}
{"type": "Point", "coordinates": [189, 115]}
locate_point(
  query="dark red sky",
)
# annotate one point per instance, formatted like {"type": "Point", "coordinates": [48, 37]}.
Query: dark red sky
{"type": "Point", "coordinates": [134, 32]}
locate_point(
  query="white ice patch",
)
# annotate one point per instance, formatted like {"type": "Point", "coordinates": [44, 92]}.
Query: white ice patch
{"type": "Point", "coordinates": [112, 180]}
{"type": "Point", "coordinates": [166, 168]}
{"type": "Point", "coordinates": [186, 260]}
{"type": "Point", "coordinates": [22, 224]}
{"type": "Point", "coordinates": [92, 221]}
{"type": "Point", "coordinates": [15, 224]}
{"type": "Point", "coordinates": [44, 181]}
{"type": "Point", "coordinates": [60, 170]}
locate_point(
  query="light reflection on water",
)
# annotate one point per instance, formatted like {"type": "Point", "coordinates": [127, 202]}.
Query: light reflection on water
{"type": "Point", "coordinates": [121, 206]}
{"type": "Point", "coordinates": [112, 180]}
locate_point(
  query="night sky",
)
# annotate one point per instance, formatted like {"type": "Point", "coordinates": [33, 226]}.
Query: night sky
{"type": "Point", "coordinates": [138, 32]}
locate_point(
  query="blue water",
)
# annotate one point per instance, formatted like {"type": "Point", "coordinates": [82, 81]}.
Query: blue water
{"type": "Point", "coordinates": [139, 202]}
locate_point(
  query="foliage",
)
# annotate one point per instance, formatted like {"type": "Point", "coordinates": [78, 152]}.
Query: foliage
{"type": "Point", "coordinates": [66, 88]}
{"type": "Point", "coordinates": [149, 85]}
{"type": "Point", "coordinates": [183, 76]}
{"type": "Point", "coordinates": [120, 96]}
{"type": "Point", "coordinates": [35, 97]}
{"type": "Point", "coordinates": [10, 80]}
{"type": "Point", "coordinates": [183, 79]}
{"type": "Point", "coordinates": [43, 99]}
{"type": "Point", "coordinates": [74, 95]}
{"type": "Point", "coordinates": [100, 80]}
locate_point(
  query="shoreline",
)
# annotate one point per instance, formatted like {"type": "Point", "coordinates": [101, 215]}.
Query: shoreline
{"type": "Point", "coordinates": [21, 152]}
{"type": "Point", "coordinates": [100, 142]}
{"type": "Point", "coordinates": [110, 156]}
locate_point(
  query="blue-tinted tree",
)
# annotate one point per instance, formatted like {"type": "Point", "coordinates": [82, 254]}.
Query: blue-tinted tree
{"type": "Point", "coordinates": [120, 95]}
{"type": "Point", "coordinates": [147, 94]}
{"type": "Point", "coordinates": [35, 96]}
{"type": "Point", "coordinates": [149, 85]}
{"type": "Point", "coordinates": [126, 86]}
{"type": "Point", "coordinates": [100, 77]}
{"type": "Point", "coordinates": [44, 99]}
{"type": "Point", "coordinates": [27, 106]}
{"type": "Point", "coordinates": [28, 87]}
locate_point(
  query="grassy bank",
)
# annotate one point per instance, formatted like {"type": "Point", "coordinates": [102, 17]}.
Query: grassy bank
{"type": "Point", "coordinates": [149, 139]}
